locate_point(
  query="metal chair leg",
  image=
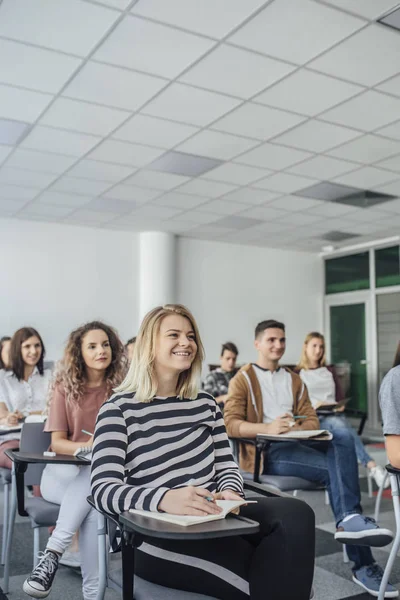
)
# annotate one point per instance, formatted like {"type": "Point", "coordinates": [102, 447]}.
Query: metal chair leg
{"type": "Point", "coordinates": [36, 545]}
{"type": "Point", "coordinates": [10, 533]}
{"type": "Point", "coordinates": [396, 543]}
{"type": "Point", "coordinates": [345, 555]}
{"type": "Point", "coordinates": [295, 493]}
{"type": "Point", "coordinates": [369, 481]}
{"type": "Point", "coordinates": [379, 498]}
{"type": "Point", "coordinates": [326, 498]}
{"type": "Point", "coordinates": [6, 509]}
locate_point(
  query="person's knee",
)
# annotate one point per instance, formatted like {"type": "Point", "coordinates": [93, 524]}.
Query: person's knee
{"type": "Point", "coordinates": [294, 510]}
{"type": "Point", "coordinates": [343, 436]}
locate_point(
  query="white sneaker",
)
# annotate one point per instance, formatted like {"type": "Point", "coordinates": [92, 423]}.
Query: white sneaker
{"type": "Point", "coordinates": [70, 559]}
{"type": "Point", "coordinates": [379, 474]}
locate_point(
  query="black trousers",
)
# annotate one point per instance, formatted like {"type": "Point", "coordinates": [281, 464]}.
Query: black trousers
{"type": "Point", "coordinates": [275, 564]}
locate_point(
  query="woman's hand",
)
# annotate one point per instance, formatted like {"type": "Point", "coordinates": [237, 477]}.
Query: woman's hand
{"type": "Point", "coordinates": [189, 501]}
{"type": "Point", "coordinates": [13, 418]}
{"type": "Point", "coordinates": [229, 495]}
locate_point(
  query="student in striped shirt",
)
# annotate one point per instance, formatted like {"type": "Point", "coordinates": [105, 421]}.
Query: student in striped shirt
{"type": "Point", "coordinates": [161, 445]}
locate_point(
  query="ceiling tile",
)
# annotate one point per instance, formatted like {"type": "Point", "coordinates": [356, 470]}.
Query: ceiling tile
{"type": "Point", "coordinates": [367, 149]}
{"type": "Point", "coordinates": [118, 4]}
{"type": "Point", "coordinates": [196, 216]}
{"type": "Point", "coordinates": [101, 171]}
{"type": "Point", "coordinates": [25, 178]}
{"type": "Point", "coordinates": [82, 116]}
{"type": "Point", "coordinates": [263, 212]}
{"type": "Point", "coordinates": [181, 163]}
{"type": "Point", "coordinates": [11, 132]}
{"type": "Point", "coordinates": [392, 164]}
{"type": "Point", "coordinates": [209, 232]}
{"type": "Point", "coordinates": [236, 71]}
{"type": "Point", "coordinates": [33, 160]}
{"type": "Point", "coordinates": [317, 136]}
{"type": "Point", "coordinates": [367, 111]}
{"type": "Point", "coordinates": [124, 89]}
{"type": "Point", "coordinates": [391, 86]}
{"type": "Point", "coordinates": [151, 47]}
{"type": "Point", "coordinates": [328, 191]}
{"type": "Point", "coordinates": [250, 196]}
{"type": "Point", "coordinates": [367, 177]}
{"type": "Point", "coordinates": [323, 166]}
{"type": "Point", "coordinates": [156, 180]}
{"type": "Point", "coordinates": [182, 201]}
{"type": "Point", "coordinates": [190, 105]}
{"type": "Point", "coordinates": [237, 174]}
{"type": "Point", "coordinates": [256, 121]}
{"type": "Point", "coordinates": [132, 193]}
{"type": "Point", "coordinates": [299, 218]}
{"type": "Point", "coordinates": [366, 8]}
{"type": "Point", "coordinates": [90, 216]}
{"type": "Point", "coordinates": [295, 203]}
{"type": "Point", "coordinates": [307, 93]}
{"type": "Point", "coordinates": [22, 105]}
{"type": "Point", "coordinates": [332, 209]}
{"type": "Point", "coordinates": [217, 145]}
{"type": "Point", "coordinates": [49, 210]}
{"type": "Point", "coordinates": [4, 152]}
{"type": "Point", "coordinates": [223, 207]}
{"type": "Point", "coordinates": [393, 206]}
{"type": "Point", "coordinates": [211, 17]}
{"type": "Point", "coordinates": [110, 205]}
{"type": "Point", "coordinates": [37, 68]}
{"type": "Point", "coordinates": [58, 198]}
{"type": "Point", "coordinates": [368, 57]}
{"type": "Point", "coordinates": [284, 182]}
{"type": "Point", "coordinates": [59, 141]}
{"type": "Point", "coordinates": [391, 131]}
{"type": "Point", "coordinates": [152, 131]}
{"type": "Point", "coordinates": [122, 153]}
{"type": "Point", "coordinates": [295, 30]}
{"type": "Point", "coordinates": [236, 222]}
{"type": "Point", "coordinates": [176, 227]}
{"type": "Point", "coordinates": [392, 188]}
{"type": "Point", "coordinates": [11, 206]}
{"type": "Point", "coordinates": [12, 192]}
{"type": "Point", "coordinates": [203, 187]}
{"type": "Point", "coordinates": [368, 215]}
{"type": "Point", "coordinates": [157, 212]}
{"type": "Point", "coordinates": [86, 187]}
{"type": "Point", "coordinates": [272, 156]}
{"type": "Point", "coordinates": [71, 26]}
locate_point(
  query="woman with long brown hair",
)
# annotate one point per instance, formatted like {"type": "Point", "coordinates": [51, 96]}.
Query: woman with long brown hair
{"type": "Point", "coordinates": [93, 364]}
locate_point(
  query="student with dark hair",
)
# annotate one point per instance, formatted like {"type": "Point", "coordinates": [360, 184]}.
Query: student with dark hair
{"type": "Point", "coordinates": [5, 343]}
{"type": "Point", "coordinates": [23, 388]}
{"type": "Point", "coordinates": [129, 348]}
{"type": "Point", "coordinates": [267, 398]}
{"type": "Point", "coordinates": [216, 383]}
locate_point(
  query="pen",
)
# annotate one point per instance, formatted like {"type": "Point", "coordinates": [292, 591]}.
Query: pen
{"type": "Point", "coordinates": [300, 417]}
{"type": "Point", "coordinates": [209, 499]}
{"type": "Point", "coordinates": [91, 434]}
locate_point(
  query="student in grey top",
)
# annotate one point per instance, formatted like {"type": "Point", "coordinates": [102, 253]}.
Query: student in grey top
{"type": "Point", "coordinates": [216, 383]}
{"type": "Point", "coordinates": [389, 399]}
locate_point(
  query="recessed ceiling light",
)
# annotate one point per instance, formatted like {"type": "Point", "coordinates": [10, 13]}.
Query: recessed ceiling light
{"type": "Point", "coordinates": [391, 19]}
{"type": "Point", "coordinates": [11, 132]}
{"type": "Point", "coordinates": [338, 236]}
{"type": "Point", "coordinates": [181, 163]}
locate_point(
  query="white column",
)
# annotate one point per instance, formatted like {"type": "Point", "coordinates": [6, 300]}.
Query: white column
{"type": "Point", "coordinates": [157, 266]}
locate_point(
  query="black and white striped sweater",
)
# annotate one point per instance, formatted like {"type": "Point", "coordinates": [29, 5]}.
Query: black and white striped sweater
{"type": "Point", "coordinates": [142, 450]}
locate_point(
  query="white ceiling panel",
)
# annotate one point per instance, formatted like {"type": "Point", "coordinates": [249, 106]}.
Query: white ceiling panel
{"type": "Point", "coordinates": [35, 68]}
{"type": "Point", "coordinates": [236, 71]}
{"type": "Point", "coordinates": [122, 153]}
{"type": "Point", "coordinates": [46, 210]}
{"type": "Point", "coordinates": [295, 30]}
{"type": "Point", "coordinates": [132, 193]}
{"type": "Point", "coordinates": [199, 217]}
{"type": "Point", "coordinates": [82, 116]}
{"type": "Point", "coordinates": [393, 206]}
{"type": "Point", "coordinates": [12, 192]}
{"type": "Point", "coordinates": [86, 187]}
{"type": "Point", "coordinates": [391, 86]}
{"type": "Point", "coordinates": [101, 171]}
{"type": "Point", "coordinates": [299, 218]}
{"type": "Point", "coordinates": [272, 156]}
{"type": "Point", "coordinates": [390, 188]}
{"type": "Point", "coordinates": [4, 152]}
{"type": "Point", "coordinates": [125, 89]}
{"type": "Point", "coordinates": [285, 183]}
{"type": "Point", "coordinates": [317, 136]}
{"type": "Point", "coordinates": [186, 104]}
{"type": "Point", "coordinates": [308, 93]}
{"type": "Point", "coordinates": [392, 164]}
{"type": "Point", "coordinates": [370, 9]}
{"type": "Point", "coordinates": [209, 189]}
{"type": "Point", "coordinates": [367, 111]}
{"type": "Point", "coordinates": [157, 212]}
{"type": "Point", "coordinates": [11, 206]}
{"type": "Point", "coordinates": [26, 178]}
{"type": "Point", "coordinates": [324, 167]}
{"type": "Point", "coordinates": [391, 131]}
{"type": "Point", "coordinates": [152, 48]}
{"type": "Point", "coordinates": [368, 57]}
{"type": "Point", "coordinates": [214, 144]}
{"type": "Point", "coordinates": [367, 177]}
{"type": "Point", "coordinates": [367, 149]}
{"type": "Point", "coordinates": [118, 4]}
{"type": "Point", "coordinates": [60, 199]}
{"type": "Point", "coordinates": [295, 203]}
{"type": "Point", "coordinates": [182, 201]}
{"type": "Point", "coordinates": [210, 17]}
{"type": "Point", "coordinates": [332, 209]}
{"type": "Point", "coordinates": [33, 160]}
{"type": "Point", "coordinates": [151, 131]}
{"type": "Point", "coordinates": [237, 174]}
{"type": "Point", "coordinates": [369, 215]}
{"type": "Point", "coordinates": [265, 213]}
{"type": "Point", "coordinates": [223, 207]}
{"type": "Point", "coordinates": [91, 217]}
{"type": "Point", "coordinates": [48, 139]}
{"type": "Point", "coordinates": [250, 196]}
{"type": "Point", "coordinates": [22, 105]}
{"type": "Point", "coordinates": [71, 26]}
{"type": "Point", "coordinates": [156, 180]}
{"type": "Point", "coordinates": [256, 121]}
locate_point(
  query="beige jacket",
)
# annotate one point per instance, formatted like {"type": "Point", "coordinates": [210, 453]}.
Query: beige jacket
{"type": "Point", "coordinates": [245, 403]}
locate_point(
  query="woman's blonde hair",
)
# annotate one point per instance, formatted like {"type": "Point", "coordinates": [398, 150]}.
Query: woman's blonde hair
{"type": "Point", "coordinates": [304, 362]}
{"type": "Point", "coordinates": [141, 377]}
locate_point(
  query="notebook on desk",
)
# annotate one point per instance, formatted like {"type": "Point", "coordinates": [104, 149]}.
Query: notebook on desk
{"type": "Point", "coordinates": [299, 434]}
{"type": "Point", "coordinates": [328, 409]}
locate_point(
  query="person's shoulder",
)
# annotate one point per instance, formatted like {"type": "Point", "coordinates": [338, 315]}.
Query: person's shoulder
{"type": "Point", "coordinates": [293, 374]}
{"type": "Point", "coordinates": [392, 377]}
{"type": "Point", "coordinates": [205, 397]}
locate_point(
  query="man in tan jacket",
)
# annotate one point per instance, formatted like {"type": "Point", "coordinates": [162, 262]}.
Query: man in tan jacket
{"type": "Point", "coordinates": [266, 398]}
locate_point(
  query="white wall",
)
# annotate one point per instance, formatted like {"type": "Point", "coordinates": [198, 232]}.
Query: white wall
{"type": "Point", "coordinates": [56, 277]}
{"type": "Point", "coordinates": [230, 288]}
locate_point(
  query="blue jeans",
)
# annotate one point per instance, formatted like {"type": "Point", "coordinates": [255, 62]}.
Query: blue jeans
{"type": "Point", "coordinates": [333, 465]}
{"type": "Point", "coordinates": [338, 421]}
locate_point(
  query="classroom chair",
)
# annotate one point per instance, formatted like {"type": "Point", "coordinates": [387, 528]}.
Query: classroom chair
{"type": "Point", "coordinates": [394, 475]}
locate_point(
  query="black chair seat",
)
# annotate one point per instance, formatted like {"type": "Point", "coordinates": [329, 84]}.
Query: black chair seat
{"type": "Point", "coordinates": [44, 513]}
{"type": "Point", "coordinates": [5, 475]}
{"type": "Point", "coordinates": [285, 483]}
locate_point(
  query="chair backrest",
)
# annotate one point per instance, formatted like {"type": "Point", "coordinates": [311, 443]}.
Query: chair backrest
{"type": "Point", "coordinates": [37, 441]}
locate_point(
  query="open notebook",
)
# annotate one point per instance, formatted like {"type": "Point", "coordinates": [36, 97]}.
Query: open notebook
{"type": "Point", "coordinates": [187, 520]}
{"type": "Point", "coordinates": [300, 434]}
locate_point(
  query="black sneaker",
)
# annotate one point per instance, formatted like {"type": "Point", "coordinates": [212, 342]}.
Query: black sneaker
{"type": "Point", "coordinates": [39, 582]}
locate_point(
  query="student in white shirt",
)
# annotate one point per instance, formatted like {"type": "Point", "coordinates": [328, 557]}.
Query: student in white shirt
{"type": "Point", "coordinates": [324, 389]}
{"type": "Point", "coordinates": [23, 388]}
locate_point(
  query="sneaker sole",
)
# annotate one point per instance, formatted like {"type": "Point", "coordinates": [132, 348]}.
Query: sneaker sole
{"type": "Point", "coordinates": [394, 594]}
{"type": "Point", "coordinates": [375, 537]}
{"type": "Point", "coordinates": [33, 592]}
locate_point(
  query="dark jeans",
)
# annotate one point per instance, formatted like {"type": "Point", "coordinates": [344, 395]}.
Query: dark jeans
{"type": "Point", "coordinates": [276, 563]}
{"type": "Point", "coordinates": [334, 465]}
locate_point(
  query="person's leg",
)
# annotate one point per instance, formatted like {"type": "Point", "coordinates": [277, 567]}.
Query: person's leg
{"type": "Point", "coordinates": [334, 422]}
{"type": "Point", "coordinates": [89, 555]}
{"type": "Point", "coordinates": [5, 462]}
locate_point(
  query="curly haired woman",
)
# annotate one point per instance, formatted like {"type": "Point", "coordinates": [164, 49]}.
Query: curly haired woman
{"type": "Point", "coordinates": [93, 364]}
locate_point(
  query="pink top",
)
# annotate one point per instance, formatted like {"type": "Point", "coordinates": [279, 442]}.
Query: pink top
{"type": "Point", "coordinates": [72, 417]}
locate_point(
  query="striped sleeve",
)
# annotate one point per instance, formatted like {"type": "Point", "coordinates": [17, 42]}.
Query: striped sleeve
{"type": "Point", "coordinates": [226, 470]}
{"type": "Point", "coordinates": [109, 491]}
